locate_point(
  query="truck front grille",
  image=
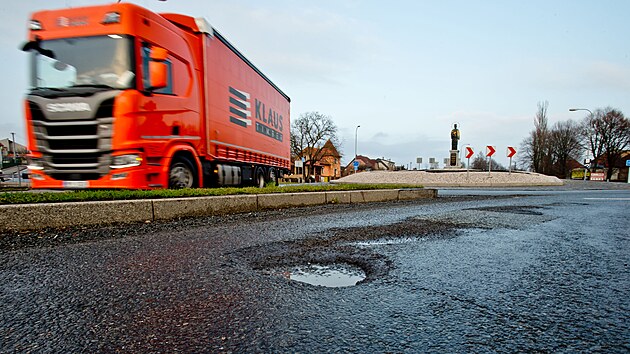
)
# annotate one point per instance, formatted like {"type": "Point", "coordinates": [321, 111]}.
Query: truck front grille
{"type": "Point", "coordinates": [74, 147]}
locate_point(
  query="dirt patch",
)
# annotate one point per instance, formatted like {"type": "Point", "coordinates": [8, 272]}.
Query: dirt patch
{"type": "Point", "coordinates": [513, 209]}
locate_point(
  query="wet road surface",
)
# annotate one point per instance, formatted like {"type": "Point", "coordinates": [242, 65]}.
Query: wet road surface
{"type": "Point", "coordinates": [520, 271]}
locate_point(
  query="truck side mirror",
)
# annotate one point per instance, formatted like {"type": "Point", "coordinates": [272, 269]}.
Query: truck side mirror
{"type": "Point", "coordinates": [157, 72]}
{"type": "Point", "coordinates": [36, 46]}
{"type": "Point", "coordinates": [158, 54]}
{"type": "Point", "coordinates": [158, 68]}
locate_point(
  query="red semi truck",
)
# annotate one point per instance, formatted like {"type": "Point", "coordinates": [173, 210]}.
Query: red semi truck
{"type": "Point", "coordinates": [121, 97]}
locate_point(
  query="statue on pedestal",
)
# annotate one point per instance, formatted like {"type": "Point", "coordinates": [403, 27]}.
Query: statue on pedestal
{"type": "Point", "coordinates": [454, 137]}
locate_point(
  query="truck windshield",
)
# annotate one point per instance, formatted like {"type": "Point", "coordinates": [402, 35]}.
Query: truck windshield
{"type": "Point", "coordinates": [85, 61]}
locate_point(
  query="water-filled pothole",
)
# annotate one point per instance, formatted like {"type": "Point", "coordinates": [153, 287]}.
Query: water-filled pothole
{"type": "Point", "coordinates": [387, 241]}
{"type": "Point", "coordinates": [330, 275]}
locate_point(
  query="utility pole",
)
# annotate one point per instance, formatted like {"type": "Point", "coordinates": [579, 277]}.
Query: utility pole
{"type": "Point", "coordinates": [590, 162]}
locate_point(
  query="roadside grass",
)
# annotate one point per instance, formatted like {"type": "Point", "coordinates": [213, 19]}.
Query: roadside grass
{"type": "Point", "coordinates": [101, 195]}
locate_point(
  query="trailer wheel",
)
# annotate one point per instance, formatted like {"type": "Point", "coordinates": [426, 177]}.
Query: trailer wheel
{"type": "Point", "coordinates": [260, 179]}
{"type": "Point", "coordinates": [273, 176]}
{"type": "Point", "coordinates": [181, 174]}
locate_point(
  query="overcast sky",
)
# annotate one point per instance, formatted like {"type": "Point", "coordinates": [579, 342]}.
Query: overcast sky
{"type": "Point", "coordinates": [404, 71]}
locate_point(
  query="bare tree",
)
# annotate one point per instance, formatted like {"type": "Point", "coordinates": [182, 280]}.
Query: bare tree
{"type": "Point", "coordinates": [591, 134]}
{"type": "Point", "coordinates": [536, 149]}
{"type": "Point", "coordinates": [480, 162]}
{"type": "Point", "coordinates": [607, 133]}
{"type": "Point", "coordinates": [565, 145]}
{"type": "Point", "coordinates": [309, 133]}
{"type": "Point", "coordinates": [526, 157]}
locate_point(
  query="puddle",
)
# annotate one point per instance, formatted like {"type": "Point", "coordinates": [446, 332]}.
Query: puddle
{"type": "Point", "coordinates": [389, 241]}
{"type": "Point", "coordinates": [332, 276]}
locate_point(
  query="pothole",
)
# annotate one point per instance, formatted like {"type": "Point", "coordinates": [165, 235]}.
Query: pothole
{"type": "Point", "coordinates": [343, 257]}
{"type": "Point", "coordinates": [328, 275]}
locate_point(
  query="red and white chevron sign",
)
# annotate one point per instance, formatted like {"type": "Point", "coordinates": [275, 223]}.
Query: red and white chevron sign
{"type": "Point", "coordinates": [469, 152]}
{"type": "Point", "coordinates": [490, 150]}
{"type": "Point", "coordinates": [511, 151]}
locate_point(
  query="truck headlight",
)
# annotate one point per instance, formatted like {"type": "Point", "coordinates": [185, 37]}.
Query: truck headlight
{"type": "Point", "coordinates": [123, 161]}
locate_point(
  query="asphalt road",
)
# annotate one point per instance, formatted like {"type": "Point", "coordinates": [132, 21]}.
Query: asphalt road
{"type": "Point", "coordinates": [540, 270]}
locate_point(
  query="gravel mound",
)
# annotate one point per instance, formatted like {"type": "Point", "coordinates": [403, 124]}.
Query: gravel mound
{"type": "Point", "coordinates": [458, 178]}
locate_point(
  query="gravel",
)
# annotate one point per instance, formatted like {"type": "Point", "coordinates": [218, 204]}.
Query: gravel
{"type": "Point", "coordinates": [458, 178]}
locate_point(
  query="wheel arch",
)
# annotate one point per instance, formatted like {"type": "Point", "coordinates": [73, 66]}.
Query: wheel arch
{"type": "Point", "coordinates": [189, 153]}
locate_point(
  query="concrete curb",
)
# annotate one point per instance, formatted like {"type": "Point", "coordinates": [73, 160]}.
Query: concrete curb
{"type": "Point", "coordinates": [285, 200]}
{"type": "Point", "coordinates": [373, 196]}
{"type": "Point", "coordinates": [167, 209]}
{"type": "Point", "coordinates": [38, 216]}
{"type": "Point", "coordinates": [411, 194]}
{"type": "Point", "coordinates": [491, 185]}
{"type": "Point", "coordinates": [25, 217]}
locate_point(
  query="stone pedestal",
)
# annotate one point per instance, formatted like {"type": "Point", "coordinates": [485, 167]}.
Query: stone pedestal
{"type": "Point", "coordinates": [454, 161]}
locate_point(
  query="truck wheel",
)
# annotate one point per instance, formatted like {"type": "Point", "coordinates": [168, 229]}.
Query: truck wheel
{"type": "Point", "coordinates": [260, 179]}
{"type": "Point", "coordinates": [181, 174]}
{"type": "Point", "coordinates": [273, 176]}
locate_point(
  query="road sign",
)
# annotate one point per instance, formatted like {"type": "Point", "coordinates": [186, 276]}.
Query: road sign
{"type": "Point", "coordinates": [511, 151]}
{"type": "Point", "coordinates": [490, 150]}
{"type": "Point", "coordinates": [627, 163]}
{"type": "Point", "coordinates": [356, 165]}
{"type": "Point", "coordinates": [598, 176]}
{"type": "Point", "coordinates": [469, 152]}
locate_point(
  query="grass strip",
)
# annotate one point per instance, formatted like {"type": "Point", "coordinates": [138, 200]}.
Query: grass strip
{"type": "Point", "coordinates": [101, 195]}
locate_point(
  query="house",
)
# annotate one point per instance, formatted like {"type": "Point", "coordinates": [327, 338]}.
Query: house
{"type": "Point", "coordinates": [326, 167]}
{"type": "Point", "coordinates": [368, 164]}
{"type": "Point", "coordinates": [329, 160]}
{"type": "Point", "coordinates": [619, 167]}
{"type": "Point", "coordinates": [6, 150]}
{"type": "Point", "coordinates": [384, 165]}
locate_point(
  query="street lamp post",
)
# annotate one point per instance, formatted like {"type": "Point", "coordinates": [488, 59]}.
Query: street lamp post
{"type": "Point", "coordinates": [356, 133]}
{"type": "Point", "coordinates": [580, 109]}
{"type": "Point", "coordinates": [591, 114]}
